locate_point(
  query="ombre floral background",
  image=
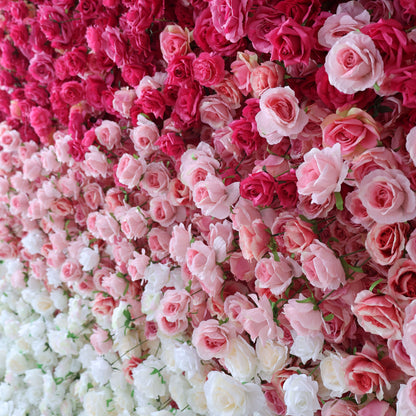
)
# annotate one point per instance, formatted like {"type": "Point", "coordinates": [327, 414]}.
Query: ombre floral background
{"type": "Point", "coordinates": [207, 208]}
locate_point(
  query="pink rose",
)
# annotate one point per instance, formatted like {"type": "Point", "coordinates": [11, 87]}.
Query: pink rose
{"type": "Point", "coordinates": [133, 224]}
{"type": "Point", "coordinates": [259, 188]}
{"type": "Point", "coordinates": [387, 196]}
{"type": "Point", "coordinates": [406, 398]}
{"type": "Point", "coordinates": [378, 314]}
{"type": "Point", "coordinates": [137, 265]}
{"type": "Point", "coordinates": [208, 69]}
{"type": "Point", "coordinates": [385, 243]}
{"type": "Point", "coordinates": [354, 63]}
{"type": "Point", "coordinates": [71, 271]}
{"type": "Point", "coordinates": [303, 318]}
{"type": "Point", "coordinates": [174, 41]}
{"type": "Point", "coordinates": [101, 341]}
{"type": "Point", "coordinates": [411, 144]}
{"type": "Point", "coordinates": [10, 140]}
{"type": "Point", "coordinates": [376, 407]}
{"type": "Point", "coordinates": [242, 68]}
{"type": "Point", "coordinates": [162, 211]}
{"type": "Point", "coordinates": [267, 75]}
{"type": "Point", "coordinates": [241, 268]}
{"type": "Point", "coordinates": [155, 179]}
{"type": "Point", "coordinates": [234, 305]}
{"type": "Point", "coordinates": [354, 129]}
{"type": "Point", "coordinates": [32, 168]}
{"type": "Point", "coordinates": [297, 235]}
{"type": "Point", "coordinates": [229, 17]}
{"type": "Point", "coordinates": [398, 353]}
{"type": "Point", "coordinates": [144, 136]}
{"type": "Point", "coordinates": [276, 275]}
{"type": "Point", "coordinates": [409, 331]}
{"type": "Point", "coordinates": [339, 408]}
{"type": "Point", "coordinates": [158, 240]}
{"type": "Point", "coordinates": [103, 305]}
{"type": "Point", "coordinates": [213, 198]}
{"type": "Point", "coordinates": [254, 240]}
{"type": "Point", "coordinates": [411, 246]}
{"type": "Point", "coordinates": [130, 170]}
{"type": "Point", "coordinates": [280, 115]}
{"type": "Point", "coordinates": [171, 328]}
{"type": "Point", "coordinates": [365, 373]}
{"type": "Point", "coordinates": [108, 134]}
{"type": "Point", "coordinates": [95, 163]}
{"type": "Point", "coordinates": [174, 305]}
{"type": "Point", "coordinates": [322, 173]}
{"type": "Point", "coordinates": [215, 112]}
{"type": "Point", "coordinates": [212, 340]}
{"type": "Point", "coordinates": [179, 243]}
{"type": "Point", "coordinates": [107, 227]}
{"type": "Point", "coordinates": [93, 195]}
{"type": "Point", "coordinates": [123, 101]}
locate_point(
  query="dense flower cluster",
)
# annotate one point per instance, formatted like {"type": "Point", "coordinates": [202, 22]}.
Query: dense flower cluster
{"type": "Point", "coordinates": [207, 207]}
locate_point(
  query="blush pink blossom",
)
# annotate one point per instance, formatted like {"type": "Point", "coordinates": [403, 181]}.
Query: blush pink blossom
{"type": "Point", "coordinates": [174, 41]}
{"type": "Point", "coordinates": [133, 224]}
{"type": "Point", "coordinates": [95, 163]}
{"type": "Point", "coordinates": [108, 134]}
{"type": "Point", "coordinates": [265, 76]}
{"type": "Point", "coordinates": [101, 340]}
{"type": "Point", "coordinates": [130, 170]}
{"type": "Point", "coordinates": [254, 240]}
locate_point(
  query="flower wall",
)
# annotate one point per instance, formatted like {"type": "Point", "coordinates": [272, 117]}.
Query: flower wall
{"type": "Point", "coordinates": [207, 207]}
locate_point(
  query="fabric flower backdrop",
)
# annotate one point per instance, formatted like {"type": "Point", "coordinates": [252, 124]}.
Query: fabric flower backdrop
{"type": "Point", "coordinates": [207, 207]}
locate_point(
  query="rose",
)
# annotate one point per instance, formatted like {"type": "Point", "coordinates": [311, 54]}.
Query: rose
{"type": "Point", "coordinates": [101, 340]}
{"type": "Point", "coordinates": [332, 374]}
{"type": "Point", "coordinates": [174, 41]}
{"type": "Point", "coordinates": [245, 135]}
{"type": "Point", "coordinates": [406, 398]}
{"type": "Point", "coordinates": [259, 188]}
{"type": "Point", "coordinates": [108, 134]}
{"type": "Point", "coordinates": [291, 43]}
{"type": "Point", "coordinates": [272, 356]}
{"type": "Point", "coordinates": [286, 189]}
{"type": "Point", "coordinates": [321, 267]}
{"type": "Point", "coordinates": [307, 347]}
{"type": "Point", "coordinates": [212, 339]}
{"type": "Point", "coordinates": [208, 69]}
{"type": "Point", "coordinates": [297, 235]}
{"type": "Point", "coordinates": [130, 170]}
{"type": "Point", "coordinates": [339, 408]}
{"type": "Point", "coordinates": [365, 373]}
{"type": "Point", "coordinates": [280, 115]}
{"type": "Point", "coordinates": [354, 129]}
{"type": "Point", "coordinates": [133, 224]}
{"type": "Point", "coordinates": [265, 76]}
{"type": "Point", "coordinates": [378, 314]}
{"type": "Point", "coordinates": [377, 407]}
{"type": "Point", "coordinates": [144, 136]}
{"type": "Point", "coordinates": [409, 331]}
{"type": "Point", "coordinates": [411, 144]}
{"type": "Point", "coordinates": [254, 239]}
{"type": "Point", "coordinates": [385, 243]}
{"type": "Point", "coordinates": [354, 63]}
{"type": "Point", "coordinates": [242, 68]}
{"type": "Point", "coordinates": [95, 163]}
{"type": "Point", "coordinates": [215, 112]}
{"type": "Point", "coordinates": [302, 316]}
{"type": "Point", "coordinates": [162, 211]}
{"type": "Point", "coordinates": [387, 196]}
{"type": "Point", "coordinates": [301, 395]}
{"type": "Point", "coordinates": [402, 280]}
{"type": "Point", "coordinates": [321, 173]}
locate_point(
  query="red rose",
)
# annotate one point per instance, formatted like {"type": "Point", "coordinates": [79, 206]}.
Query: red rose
{"type": "Point", "coordinates": [258, 188]}
{"type": "Point", "coordinates": [286, 189]}
{"type": "Point", "coordinates": [245, 135]}
{"type": "Point", "coordinates": [151, 101]}
{"type": "Point", "coordinates": [186, 110]}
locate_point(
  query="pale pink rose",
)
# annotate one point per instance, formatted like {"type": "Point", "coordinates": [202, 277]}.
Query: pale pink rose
{"type": "Point", "coordinates": [178, 193]}
{"type": "Point", "coordinates": [241, 268]}
{"type": "Point", "coordinates": [258, 322]}
{"type": "Point", "coordinates": [234, 305]}
{"type": "Point", "coordinates": [103, 305]}
{"type": "Point", "coordinates": [196, 164]}
{"type": "Point", "coordinates": [10, 140]}
{"type": "Point", "coordinates": [6, 162]}
{"type": "Point", "coordinates": [354, 63]}
{"type": "Point", "coordinates": [265, 76]}
{"type": "Point", "coordinates": [321, 267]}
{"type": "Point", "coordinates": [376, 407]}
{"type": "Point", "coordinates": [215, 112]}
{"type": "Point", "coordinates": [49, 160]}
{"type": "Point", "coordinates": [411, 144]}
{"type": "Point", "coordinates": [156, 179]}
{"type": "Point", "coordinates": [107, 227]}
{"type": "Point", "coordinates": [227, 150]}
{"type": "Point", "coordinates": [411, 246]}
{"type": "Point", "coordinates": [171, 328]}
{"type": "Point", "coordinates": [339, 408]}
{"type": "Point", "coordinates": [93, 195]}
{"type": "Point", "coordinates": [174, 305]}
{"type": "Point", "coordinates": [302, 316]}
{"type": "Point", "coordinates": [276, 275]}
{"type": "Point", "coordinates": [254, 240]}
{"type": "Point", "coordinates": [114, 199]}
{"type": "Point", "coordinates": [344, 21]}
{"type": "Point", "coordinates": [98, 277]}
{"type": "Point", "coordinates": [355, 206]}
{"type": "Point", "coordinates": [158, 240]}
{"type": "Point", "coordinates": [212, 340]}
{"type": "Point", "coordinates": [242, 68]}
{"type": "Point", "coordinates": [162, 211]}
{"type": "Point", "coordinates": [385, 243]}
{"type": "Point", "coordinates": [378, 314]}
{"type": "Point", "coordinates": [221, 238]}
{"type": "Point", "coordinates": [213, 198]}
{"type": "Point", "coordinates": [32, 168]}
{"type": "Point", "coordinates": [174, 41]}
{"type": "Point", "coordinates": [280, 115]}
{"type": "Point", "coordinates": [144, 136]}
{"type": "Point", "coordinates": [123, 101]}
{"type": "Point", "coordinates": [227, 90]}
{"type": "Point", "coordinates": [322, 173]}
{"type": "Point", "coordinates": [179, 243]}
{"type": "Point", "coordinates": [297, 235]}
{"type": "Point", "coordinates": [406, 398]}
{"type": "Point", "coordinates": [19, 204]}
{"type": "Point", "coordinates": [409, 331]}
{"type": "Point", "coordinates": [101, 340]}
{"type": "Point", "coordinates": [130, 170]}
{"type": "Point", "coordinates": [133, 224]}
{"type": "Point", "coordinates": [115, 286]}
{"type": "Point", "coordinates": [387, 196]}
{"type": "Point", "coordinates": [273, 164]}
{"type": "Point", "coordinates": [108, 134]}
{"type": "Point", "coordinates": [244, 214]}
{"type": "Point", "coordinates": [137, 265]}
{"type": "Point", "coordinates": [398, 353]}
{"type": "Point", "coordinates": [229, 17]}
{"type": "Point", "coordinates": [95, 163]}
{"type": "Point", "coordinates": [365, 373]}
{"type": "Point", "coordinates": [91, 223]}
{"type": "Point", "coordinates": [71, 271]}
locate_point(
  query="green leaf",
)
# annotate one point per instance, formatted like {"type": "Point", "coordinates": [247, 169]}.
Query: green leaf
{"type": "Point", "coordinates": [376, 87]}
{"type": "Point", "coordinates": [375, 284]}
{"type": "Point", "coordinates": [307, 300]}
{"type": "Point", "coordinates": [329, 317]}
{"type": "Point", "coordinates": [338, 201]}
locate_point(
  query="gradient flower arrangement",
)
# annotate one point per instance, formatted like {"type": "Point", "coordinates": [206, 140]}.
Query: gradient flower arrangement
{"type": "Point", "coordinates": [208, 207]}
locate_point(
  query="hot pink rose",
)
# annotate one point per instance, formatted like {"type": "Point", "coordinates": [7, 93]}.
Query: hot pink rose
{"type": "Point", "coordinates": [108, 134]}
{"type": "Point", "coordinates": [212, 340]}
{"type": "Point", "coordinates": [259, 188]}
{"type": "Point", "coordinates": [130, 170]}
{"type": "Point", "coordinates": [354, 63]}
{"type": "Point", "coordinates": [280, 115]}
{"type": "Point", "coordinates": [208, 69]}
{"type": "Point", "coordinates": [378, 314]}
{"type": "Point", "coordinates": [387, 196]}
{"type": "Point", "coordinates": [321, 173]}
{"type": "Point", "coordinates": [322, 268]}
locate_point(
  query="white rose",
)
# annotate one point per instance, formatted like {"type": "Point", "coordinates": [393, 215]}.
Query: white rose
{"type": "Point", "coordinates": [228, 397]}
{"type": "Point", "coordinates": [157, 275]}
{"type": "Point", "coordinates": [178, 389]}
{"type": "Point", "coordinates": [333, 375]}
{"type": "Point", "coordinates": [187, 360]}
{"type": "Point", "coordinates": [149, 378]}
{"type": "Point", "coordinates": [61, 343]}
{"type": "Point", "coordinates": [301, 395]}
{"type": "Point", "coordinates": [88, 259]}
{"type": "Point", "coordinates": [96, 403]}
{"type": "Point", "coordinates": [43, 304]}
{"type": "Point", "coordinates": [196, 399]}
{"type": "Point", "coordinates": [272, 357]}
{"type": "Point", "coordinates": [150, 301]}
{"type": "Point", "coordinates": [16, 362]}
{"type": "Point", "coordinates": [101, 370]}
{"type": "Point", "coordinates": [241, 360]}
{"type": "Point", "coordinates": [33, 241]}
{"type": "Point", "coordinates": [307, 347]}
{"type": "Point", "coordinates": [127, 345]}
